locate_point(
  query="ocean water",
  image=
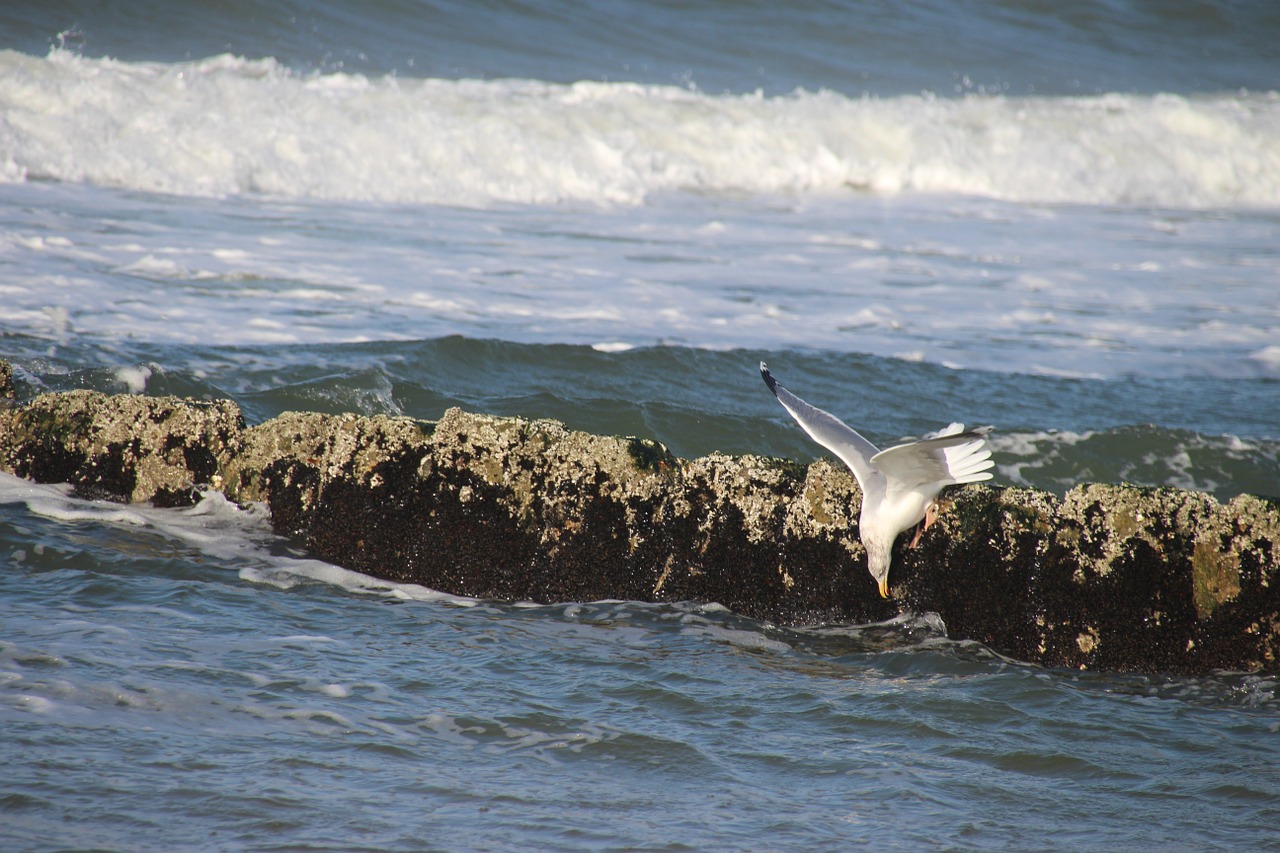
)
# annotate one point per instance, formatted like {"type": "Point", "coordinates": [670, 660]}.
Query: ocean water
{"type": "Point", "coordinates": [1061, 221]}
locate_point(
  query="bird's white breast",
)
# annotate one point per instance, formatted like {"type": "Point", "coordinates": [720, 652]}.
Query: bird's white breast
{"type": "Point", "coordinates": [897, 512]}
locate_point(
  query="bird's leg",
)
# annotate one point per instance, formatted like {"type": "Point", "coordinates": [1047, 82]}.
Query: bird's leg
{"type": "Point", "coordinates": [930, 516]}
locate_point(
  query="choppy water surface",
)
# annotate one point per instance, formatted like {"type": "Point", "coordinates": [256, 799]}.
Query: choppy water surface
{"type": "Point", "coordinates": [179, 679]}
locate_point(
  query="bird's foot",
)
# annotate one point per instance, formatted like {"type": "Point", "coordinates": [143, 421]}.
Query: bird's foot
{"type": "Point", "coordinates": [930, 516]}
{"type": "Point", "coordinates": [931, 513]}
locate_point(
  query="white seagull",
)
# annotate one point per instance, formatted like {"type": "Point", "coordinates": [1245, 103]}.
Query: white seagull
{"type": "Point", "coordinates": [900, 485]}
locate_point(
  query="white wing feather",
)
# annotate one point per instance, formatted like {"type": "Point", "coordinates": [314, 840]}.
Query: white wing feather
{"type": "Point", "coordinates": [832, 433]}
{"type": "Point", "coordinates": [950, 456]}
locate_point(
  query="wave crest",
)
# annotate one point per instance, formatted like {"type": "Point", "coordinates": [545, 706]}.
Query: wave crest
{"type": "Point", "coordinates": [226, 125]}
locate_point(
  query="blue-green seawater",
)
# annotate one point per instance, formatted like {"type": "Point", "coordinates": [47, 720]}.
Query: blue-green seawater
{"type": "Point", "coordinates": [163, 686]}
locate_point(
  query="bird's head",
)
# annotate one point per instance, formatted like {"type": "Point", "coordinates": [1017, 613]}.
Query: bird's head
{"type": "Point", "coordinates": [879, 555]}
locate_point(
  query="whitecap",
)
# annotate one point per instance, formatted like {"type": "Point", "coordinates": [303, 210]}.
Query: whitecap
{"type": "Point", "coordinates": [147, 126]}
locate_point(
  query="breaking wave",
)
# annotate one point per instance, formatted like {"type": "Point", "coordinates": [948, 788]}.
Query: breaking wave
{"type": "Point", "coordinates": [227, 125]}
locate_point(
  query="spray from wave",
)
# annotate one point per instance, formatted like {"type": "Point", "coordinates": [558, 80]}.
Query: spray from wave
{"type": "Point", "coordinates": [226, 125]}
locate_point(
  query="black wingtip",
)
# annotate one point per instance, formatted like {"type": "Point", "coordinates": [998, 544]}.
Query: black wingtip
{"type": "Point", "coordinates": [768, 378]}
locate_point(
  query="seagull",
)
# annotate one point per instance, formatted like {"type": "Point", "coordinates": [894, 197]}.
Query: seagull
{"type": "Point", "coordinates": [900, 485]}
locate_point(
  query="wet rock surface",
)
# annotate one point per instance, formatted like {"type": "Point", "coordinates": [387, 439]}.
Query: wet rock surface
{"type": "Point", "coordinates": [121, 448]}
{"type": "Point", "coordinates": [1108, 577]}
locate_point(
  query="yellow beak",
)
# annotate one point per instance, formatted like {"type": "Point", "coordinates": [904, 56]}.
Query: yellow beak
{"type": "Point", "coordinates": [884, 587]}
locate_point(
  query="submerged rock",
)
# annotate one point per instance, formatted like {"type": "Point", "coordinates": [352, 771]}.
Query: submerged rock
{"type": "Point", "coordinates": [1109, 577]}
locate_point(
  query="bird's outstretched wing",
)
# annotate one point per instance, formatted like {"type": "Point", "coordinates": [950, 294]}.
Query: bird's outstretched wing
{"type": "Point", "coordinates": [832, 433]}
{"type": "Point", "coordinates": [951, 455]}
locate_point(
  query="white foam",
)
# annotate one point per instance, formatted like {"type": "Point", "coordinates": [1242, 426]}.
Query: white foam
{"type": "Point", "coordinates": [221, 529]}
{"type": "Point", "coordinates": [1182, 460]}
{"type": "Point", "coordinates": [134, 378]}
{"type": "Point", "coordinates": [1050, 290]}
{"type": "Point", "coordinates": [226, 125]}
{"type": "Point", "coordinates": [1021, 454]}
{"type": "Point", "coordinates": [54, 501]}
{"type": "Point", "coordinates": [32, 704]}
{"type": "Point", "coordinates": [286, 573]}
{"type": "Point", "coordinates": [1269, 356]}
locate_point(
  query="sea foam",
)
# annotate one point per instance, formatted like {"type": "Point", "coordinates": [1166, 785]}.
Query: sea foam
{"type": "Point", "coordinates": [227, 125]}
{"type": "Point", "coordinates": [220, 529]}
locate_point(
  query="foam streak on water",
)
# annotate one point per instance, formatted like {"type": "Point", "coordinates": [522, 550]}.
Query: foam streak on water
{"type": "Point", "coordinates": [1072, 291]}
